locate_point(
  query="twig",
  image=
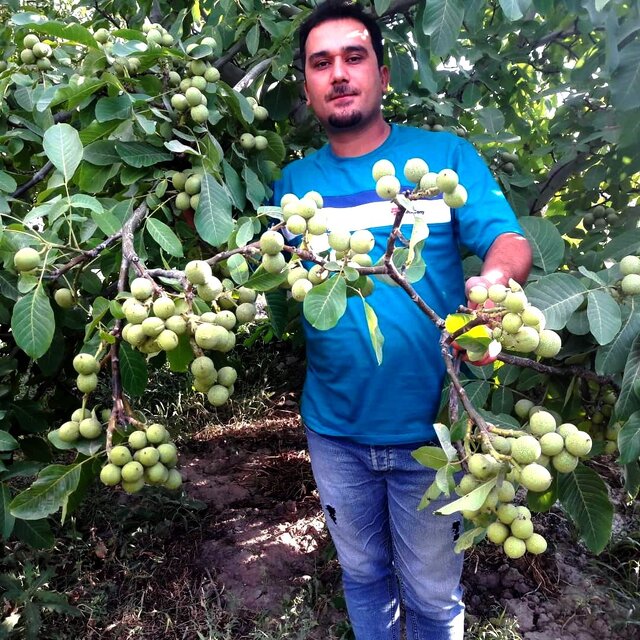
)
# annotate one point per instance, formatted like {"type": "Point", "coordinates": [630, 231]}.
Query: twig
{"type": "Point", "coordinates": [85, 256]}
{"type": "Point", "coordinates": [252, 74]}
{"type": "Point", "coordinates": [39, 175]}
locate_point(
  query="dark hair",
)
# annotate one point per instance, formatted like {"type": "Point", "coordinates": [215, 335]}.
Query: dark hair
{"type": "Point", "coordinates": [339, 10]}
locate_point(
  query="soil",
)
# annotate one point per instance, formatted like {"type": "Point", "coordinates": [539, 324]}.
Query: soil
{"type": "Point", "coordinates": [268, 538]}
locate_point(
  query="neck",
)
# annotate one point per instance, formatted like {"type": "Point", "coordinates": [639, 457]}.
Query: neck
{"type": "Point", "coordinates": [350, 143]}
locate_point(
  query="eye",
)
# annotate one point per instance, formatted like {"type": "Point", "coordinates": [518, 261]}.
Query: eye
{"type": "Point", "coordinates": [321, 64]}
{"type": "Point", "coordinates": [354, 59]}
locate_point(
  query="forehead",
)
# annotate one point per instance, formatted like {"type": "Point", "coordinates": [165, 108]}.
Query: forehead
{"type": "Point", "coordinates": [334, 35]}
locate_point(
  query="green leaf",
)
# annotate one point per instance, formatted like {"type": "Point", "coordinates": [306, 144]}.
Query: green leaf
{"type": "Point", "coordinates": [625, 82]}
{"type": "Point", "coordinates": [629, 440]}
{"type": "Point", "coordinates": [7, 442]}
{"type": "Point", "coordinates": [74, 95]}
{"type": "Point", "coordinates": [262, 280]}
{"type": "Point", "coordinates": [48, 493]}
{"type": "Point", "coordinates": [604, 316]}
{"type": "Point", "coordinates": [375, 335]}
{"type": "Point", "coordinates": [514, 9]}
{"type": "Point", "coordinates": [612, 357]}
{"type": "Point", "coordinates": [558, 295]}
{"type": "Point", "coordinates": [629, 399]}
{"type": "Point", "coordinates": [253, 39]}
{"type": "Point", "coordinates": [133, 369]}
{"type": "Point", "coordinates": [546, 242]}
{"type": "Point", "coordinates": [213, 216]}
{"type": "Point", "coordinates": [83, 201]}
{"type": "Point", "coordinates": [442, 20]}
{"type": "Point", "coordinates": [181, 357]}
{"type": "Point", "coordinates": [113, 108]}
{"type": "Point", "coordinates": [277, 309]}
{"type": "Point", "coordinates": [430, 457]}
{"type": "Point", "coordinates": [101, 153]}
{"type": "Point", "coordinates": [6, 519]}
{"type": "Point", "coordinates": [326, 303]}
{"type": "Point", "coordinates": [402, 69]}
{"type": "Point", "coordinates": [165, 237]}
{"type": "Point", "coordinates": [419, 232]}
{"type": "Point", "coordinates": [141, 154]}
{"type": "Point", "coordinates": [492, 120]}
{"type": "Point", "coordinates": [381, 6]}
{"type": "Point", "coordinates": [584, 498]}
{"type": "Point", "coordinates": [61, 144]}
{"type": "Point", "coordinates": [33, 323]}
{"type": "Point", "coordinates": [471, 502]}
{"type": "Point", "coordinates": [36, 533]}
{"type": "Point", "coordinates": [468, 539]}
{"type": "Point", "coordinates": [444, 438]}
{"type": "Point", "coordinates": [107, 222]}
{"type": "Point", "coordinates": [7, 183]}
{"type": "Point", "coordinates": [70, 32]}
{"type": "Point", "coordinates": [255, 188]}
{"type": "Point", "coordinates": [238, 268]}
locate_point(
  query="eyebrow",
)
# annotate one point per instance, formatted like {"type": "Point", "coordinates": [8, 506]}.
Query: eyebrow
{"type": "Point", "coordinates": [344, 50]}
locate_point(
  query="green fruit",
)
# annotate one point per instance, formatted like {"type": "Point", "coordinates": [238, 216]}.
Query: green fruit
{"type": "Point", "coordinates": [414, 169]}
{"type": "Point", "coordinates": [87, 383]}
{"type": "Point", "coordinates": [64, 298]}
{"type": "Point", "coordinates": [26, 56]}
{"type": "Point", "coordinates": [199, 114]}
{"type": "Point", "coordinates": [192, 186]}
{"type": "Point", "coordinates": [296, 224]}
{"type": "Point", "coordinates": [497, 293]}
{"type": "Point", "coordinates": [578, 443]}
{"type": "Point", "coordinates": [41, 50]}
{"type": "Point", "coordinates": [148, 456]}
{"type": "Point", "coordinates": [164, 307]}
{"type": "Point", "coordinates": [630, 265]}
{"type": "Point", "coordinates": [154, 36]}
{"type": "Point", "coordinates": [209, 336]}
{"type": "Point", "coordinates": [203, 367]}
{"type": "Point", "coordinates": [211, 74]}
{"type": "Point", "coordinates": [141, 288]}
{"type": "Point", "coordinates": [340, 240]}
{"type": "Point", "coordinates": [197, 67]}
{"type": "Point", "coordinates": [227, 376]}
{"type": "Point", "coordinates": [247, 141]}
{"type": "Point", "coordinates": [132, 471]}
{"type": "Point", "coordinates": [525, 340]}
{"type": "Point", "coordinates": [167, 40]}
{"type": "Point", "coordinates": [174, 78]}
{"type": "Point", "coordinates": [536, 544]}
{"type": "Point", "coordinates": [506, 492]}
{"type": "Point", "coordinates": [300, 288]}
{"type": "Point", "coordinates": [226, 319]}
{"type": "Point", "coordinates": [167, 340]}
{"type": "Point", "coordinates": [132, 487]}
{"type": "Point", "coordinates": [152, 327]}
{"type": "Point", "coordinates": [514, 547]}
{"type": "Point", "coordinates": [85, 364]}
{"type": "Point", "coordinates": [457, 198]}
{"type": "Point", "coordinates": [211, 289]}
{"type": "Point", "coordinates": [90, 428]}
{"type": "Point", "coordinates": [138, 440]}
{"type": "Point", "coordinates": [507, 513]}
{"type": "Point", "coordinates": [110, 475]}
{"type": "Point", "coordinates": [168, 454]}
{"type": "Point", "coordinates": [428, 181]}
{"type": "Point", "coordinates": [80, 414]}
{"type": "Point", "coordinates": [447, 180]}
{"type": "Point", "coordinates": [524, 512]}
{"type": "Point", "coordinates": [467, 484]}
{"type": "Point", "coordinates": [246, 312]}
{"type": "Point", "coordinates": [273, 264]}
{"type": "Point", "coordinates": [179, 102]}
{"type": "Point", "coordinates": [361, 241]}
{"type": "Point", "coordinates": [511, 323]}
{"type": "Point", "coordinates": [515, 301]}
{"type": "Point", "coordinates": [120, 455]}
{"type": "Point", "coordinates": [382, 168]}
{"type": "Point", "coordinates": [44, 64]}
{"type": "Point", "coordinates": [535, 477]}
{"type": "Point", "coordinates": [525, 449]}
{"type": "Point", "coordinates": [522, 528]}
{"type": "Point", "coordinates": [566, 428]}
{"type": "Point", "coordinates": [482, 466]}
{"type": "Point", "coordinates": [156, 474]}
{"type": "Point", "coordinates": [69, 431]}
{"type": "Point", "coordinates": [271, 243]}
{"type": "Point", "coordinates": [193, 96]}
{"type": "Point", "coordinates": [260, 113]}
{"type": "Point", "coordinates": [197, 271]}
{"type": "Point", "coordinates": [218, 395]}
{"type": "Point", "coordinates": [564, 462]}
{"type": "Point", "coordinates": [317, 274]}
{"type": "Point", "coordinates": [246, 295]}
{"type": "Point", "coordinates": [388, 187]}
{"type": "Point", "coordinates": [478, 294]}
{"type": "Point", "coordinates": [542, 422]}
{"type": "Point", "coordinates": [317, 224]}
{"type": "Point", "coordinates": [261, 143]}
{"type": "Point", "coordinates": [522, 408]}
{"type": "Point", "coordinates": [183, 201]}
{"type": "Point", "coordinates": [174, 481]}
{"type": "Point", "coordinates": [630, 284]}
{"type": "Point", "coordinates": [26, 259]}
{"type": "Point", "coordinates": [30, 41]}
{"type": "Point", "coordinates": [497, 532]}
{"type": "Point", "coordinates": [551, 444]}
{"type": "Point", "coordinates": [134, 312]}
{"type": "Point", "coordinates": [549, 345]}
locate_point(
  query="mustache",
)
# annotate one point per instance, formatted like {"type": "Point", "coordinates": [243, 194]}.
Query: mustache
{"type": "Point", "coordinates": [339, 91]}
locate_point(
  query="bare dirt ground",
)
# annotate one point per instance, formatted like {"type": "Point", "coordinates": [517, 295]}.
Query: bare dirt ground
{"type": "Point", "coordinates": [268, 538]}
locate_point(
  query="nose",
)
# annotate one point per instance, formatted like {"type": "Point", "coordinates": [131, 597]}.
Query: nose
{"type": "Point", "coordinates": [340, 71]}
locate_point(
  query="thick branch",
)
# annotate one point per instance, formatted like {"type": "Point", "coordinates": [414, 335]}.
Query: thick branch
{"type": "Point", "coordinates": [85, 256]}
{"type": "Point", "coordinates": [39, 175]}
{"type": "Point", "coordinates": [252, 74]}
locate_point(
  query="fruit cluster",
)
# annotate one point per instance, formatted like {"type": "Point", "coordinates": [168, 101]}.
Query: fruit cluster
{"type": "Point", "coordinates": [157, 35]}
{"type": "Point", "coordinates": [630, 270]}
{"type": "Point", "coordinates": [600, 217]}
{"type": "Point", "coordinates": [514, 322]}
{"type": "Point", "coordinates": [35, 52]}
{"type": "Point", "coordinates": [188, 186]}
{"type": "Point", "coordinates": [504, 161]}
{"type": "Point", "coordinates": [87, 367]}
{"type": "Point", "coordinates": [417, 172]}
{"type": "Point", "coordinates": [83, 424]}
{"type": "Point", "coordinates": [149, 457]}
{"type": "Point", "coordinates": [517, 459]}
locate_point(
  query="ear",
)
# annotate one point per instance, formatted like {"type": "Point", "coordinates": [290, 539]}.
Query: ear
{"type": "Point", "coordinates": [306, 94]}
{"type": "Point", "coordinates": [384, 78]}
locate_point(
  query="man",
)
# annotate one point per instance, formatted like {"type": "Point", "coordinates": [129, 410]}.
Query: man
{"type": "Point", "coordinates": [363, 420]}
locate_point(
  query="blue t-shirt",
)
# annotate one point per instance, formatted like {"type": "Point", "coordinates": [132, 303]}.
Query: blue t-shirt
{"type": "Point", "coordinates": [346, 393]}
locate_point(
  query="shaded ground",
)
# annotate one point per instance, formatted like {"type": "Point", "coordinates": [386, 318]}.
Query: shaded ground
{"type": "Point", "coordinates": [269, 538]}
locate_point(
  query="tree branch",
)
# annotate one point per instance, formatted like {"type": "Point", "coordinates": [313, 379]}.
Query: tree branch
{"type": "Point", "coordinates": [39, 175]}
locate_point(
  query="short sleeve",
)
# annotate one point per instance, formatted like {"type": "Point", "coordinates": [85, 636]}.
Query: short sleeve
{"type": "Point", "coordinates": [487, 213]}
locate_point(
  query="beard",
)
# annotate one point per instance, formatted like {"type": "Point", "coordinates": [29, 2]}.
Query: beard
{"type": "Point", "coordinates": [345, 120]}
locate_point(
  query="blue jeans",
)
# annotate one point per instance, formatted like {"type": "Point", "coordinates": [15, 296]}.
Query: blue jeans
{"type": "Point", "coordinates": [390, 553]}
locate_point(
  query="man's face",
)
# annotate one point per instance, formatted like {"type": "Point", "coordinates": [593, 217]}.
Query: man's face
{"type": "Point", "coordinates": [343, 82]}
